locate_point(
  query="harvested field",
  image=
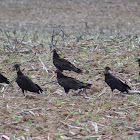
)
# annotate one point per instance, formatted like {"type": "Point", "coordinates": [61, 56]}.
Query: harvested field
{"type": "Point", "coordinates": [53, 114]}
{"type": "Point", "coordinates": [104, 33]}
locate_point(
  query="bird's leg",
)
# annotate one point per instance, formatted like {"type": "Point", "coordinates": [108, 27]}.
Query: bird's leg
{"type": "Point", "coordinates": [75, 94]}
{"type": "Point", "coordinates": [85, 91]}
{"type": "Point", "coordinates": [111, 94]}
{"type": "Point", "coordinates": [68, 95]}
{"type": "Point", "coordinates": [122, 94]}
{"type": "Point", "coordinates": [78, 93]}
{"type": "Point", "coordinates": [23, 92]}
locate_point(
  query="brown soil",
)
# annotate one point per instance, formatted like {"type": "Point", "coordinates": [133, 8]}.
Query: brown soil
{"type": "Point", "coordinates": [55, 115]}
{"type": "Point", "coordinates": [76, 16]}
{"type": "Point", "coordinates": [89, 115]}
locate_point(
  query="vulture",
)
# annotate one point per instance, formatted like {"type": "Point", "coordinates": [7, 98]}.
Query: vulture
{"type": "Point", "coordinates": [25, 83]}
{"type": "Point", "coordinates": [63, 64]}
{"type": "Point", "coordinates": [3, 79]}
{"type": "Point", "coordinates": [138, 60]}
{"type": "Point", "coordinates": [115, 83]}
{"type": "Point", "coordinates": [70, 83]}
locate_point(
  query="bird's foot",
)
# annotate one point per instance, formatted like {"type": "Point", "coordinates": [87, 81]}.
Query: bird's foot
{"type": "Point", "coordinates": [75, 94]}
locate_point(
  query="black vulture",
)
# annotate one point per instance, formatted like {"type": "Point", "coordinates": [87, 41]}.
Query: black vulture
{"type": "Point", "coordinates": [63, 64]}
{"type": "Point", "coordinates": [70, 83]}
{"type": "Point", "coordinates": [115, 83]}
{"type": "Point", "coordinates": [25, 83]}
{"type": "Point", "coordinates": [138, 60]}
{"type": "Point", "coordinates": [3, 79]}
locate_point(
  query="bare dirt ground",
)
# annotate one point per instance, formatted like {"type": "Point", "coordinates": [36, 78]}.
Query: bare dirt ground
{"type": "Point", "coordinates": [73, 16]}
{"type": "Point", "coordinates": [57, 115]}
{"type": "Point", "coordinates": [53, 114]}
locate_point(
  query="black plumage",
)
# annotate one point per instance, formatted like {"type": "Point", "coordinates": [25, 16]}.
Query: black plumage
{"type": "Point", "coordinates": [25, 83]}
{"type": "Point", "coordinates": [70, 83]}
{"type": "Point", "coordinates": [138, 60]}
{"type": "Point", "coordinates": [3, 79]}
{"type": "Point", "coordinates": [63, 64]}
{"type": "Point", "coordinates": [115, 83]}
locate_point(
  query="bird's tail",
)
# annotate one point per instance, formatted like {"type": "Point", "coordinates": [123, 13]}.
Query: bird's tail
{"type": "Point", "coordinates": [127, 87]}
{"type": "Point", "coordinates": [87, 86]}
{"type": "Point", "coordinates": [7, 82]}
{"type": "Point", "coordinates": [39, 88]}
{"type": "Point", "coordinates": [78, 70]}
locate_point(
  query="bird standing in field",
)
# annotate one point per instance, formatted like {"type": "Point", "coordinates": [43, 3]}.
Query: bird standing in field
{"type": "Point", "coordinates": [115, 83]}
{"type": "Point", "coordinates": [63, 64]}
{"type": "Point", "coordinates": [3, 79]}
{"type": "Point", "coordinates": [138, 60]}
{"type": "Point", "coordinates": [70, 83]}
{"type": "Point", "coordinates": [25, 83]}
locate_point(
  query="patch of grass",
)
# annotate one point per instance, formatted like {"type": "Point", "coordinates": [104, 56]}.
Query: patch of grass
{"type": "Point", "coordinates": [92, 47]}
{"type": "Point", "coordinates": [49, 88]}
{"type": "Point", "coordinates": [115, 60]}
{"type": "Point", "coordinates": [77, 123]}
{"type": "Point", "coordinates": [70, 108]}
{"type": "Point", "coordinates": [92, 100]}
{"type": "Point", "coordinates": [138, 137]}
{"type": "Point", "coordinates": [94, 84]}
{"type": "Point", "coordinates": [84, 64]}
{"type": "Point", "coordinates": [47, 77]}
{"type": "Point", "coordinates": [105, 104]}
{"type": "Point", "coordinates": [30, 76]}
{"type": "Point", "coordinates": [41, 58]}
{"type": "Point", "coordinates": [44, 112]}
{"type": "Point", "coordinates": [130, 98]}
{"type": "Point", "coordinates": [9, 62]}
{"type": "Point", "coordinates": [133, 114]}
{"type": "Point", "coordinates": [130, 62]}
{"type": "Point", "coordinates": [78, 58]}
{"type": "Point", "coordinates": [83, 54]}
{"type": "Point", "coordinates": [97, 117]}
{"type": "Point", "coordinates": [30, 55]}
{"type": "Point", "coordinates": [88, 114]}
{"type": "Point", "coordinates": [12, 56]}
{"type": "Point", "coordinates": [5, 57]}
{"type": "Point", "coordinates": [58, 102]}
{"type": "Point", "coordinates": [60, 133]}
{"type": "Point", "coordinates": [12, 138]}
{"type": "Point", "coordinates": [61, 56]}
{"type": "Point", "coordinates": [114, 50]}
{"type": "Point", "coordinates": [87, 48]}
{"type": "Point", "coordinates": [2, 66]}
{"type": "Point", "coordinates": [112, 129]}
{"type": "Point", "coordinates": [90, 73]}
{"type": "Point", "coordinates": [85, 126]}
{"type": "Point", "coordinates": [15, 117]}
{"type": "Point", "coordinates": [30, 122]}
{"type": "Point", "coordinates": [19, 132]}
{"type": "Point", "coordinates": [100, 67]}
